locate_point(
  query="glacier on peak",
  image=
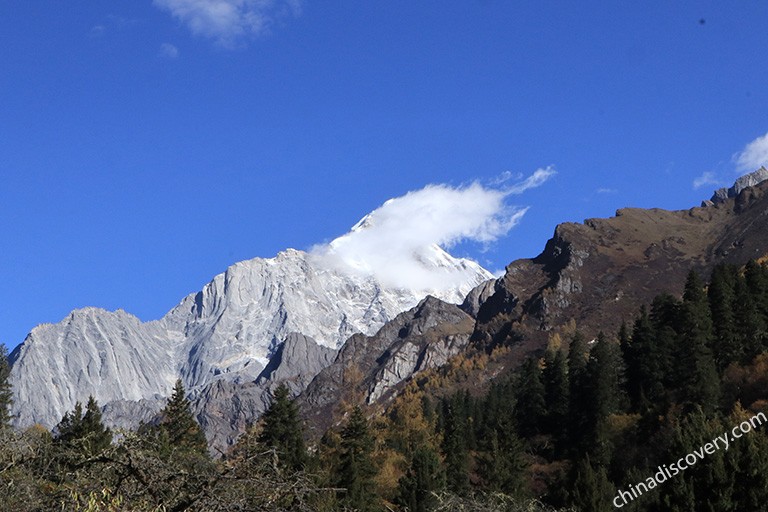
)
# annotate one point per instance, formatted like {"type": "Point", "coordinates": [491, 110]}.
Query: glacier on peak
{"type": "Point", "coordinates": [229, 330]}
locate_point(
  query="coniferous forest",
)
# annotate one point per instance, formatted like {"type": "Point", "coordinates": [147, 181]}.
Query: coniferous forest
{"type": "Point", "coordinates": [567, 430]}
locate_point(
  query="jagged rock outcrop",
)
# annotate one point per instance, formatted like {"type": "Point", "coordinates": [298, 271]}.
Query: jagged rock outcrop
{"type": "Point", "coordinates": [225, 408]}
{"type": "Point", "coordinates": [369, 368]}
{"type": "Point", "coordinates": [748, 180]}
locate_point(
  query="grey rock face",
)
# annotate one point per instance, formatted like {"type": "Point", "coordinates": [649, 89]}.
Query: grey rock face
{"type": "Point", "coordinates": [748, 180]}
{"type": "Point", "coordinates": [229, 331]}
{"type": "Point", "coordinates": [225, 409]}
{"type": "Point", "coordinates": [371, 367]}
{"type": "Point", "coordinates": [477, 296]}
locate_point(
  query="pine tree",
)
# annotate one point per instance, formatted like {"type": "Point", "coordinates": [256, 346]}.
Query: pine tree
{"type": "Point", "coordinates": [749, 320]}
{"type": "Point", "coordinates": [84, 432]}
{"type": "Point", "coordinates": [502, 465]}
{"type": "Point", "coordinates": [6, 393]}
{"type": "Point", "coordinates": [97, 435]}
{"type": "Point", "coordinates": [455, 450]}
{"type": "Point", "coordinates": [603, 396]}
{"type": "Point", "coordinates": [70, 427]}
{"type": "Point", "coordinates": [577, 391]}
{"type": "Point", "coordinates": [756, 276]}
{"type": "Point", "coordinates": [700, 384]}
{"type": "Point", "coordinates": [592, 491]}
{"type": "Point", "coordinates": [425, 477]}
{"type": "Point", "coordinates": [356, 470]}
{"type": "Point", "coordinates": [556, 396]}
{"type": "Point", "coordinates": [282, 430]}
{"type": "Point", "coordinates": [645, 365]}
{"type": "Point", "coordinates": [747, 461]}
{"type": "Point", "coordinates": [178, 429]}
{"type": "Point", "coordinates": [530, 408]}
{"type": "Point", "coordinates": [722, 296]}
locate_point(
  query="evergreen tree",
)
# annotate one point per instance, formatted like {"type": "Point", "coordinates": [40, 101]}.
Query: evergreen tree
{"type": "Point", "coordinates": [645, 365]}
{"type": "Point", "coordinates": [6, 393]}
{"type": "Point", "coordinates": [577, 358]}
{"type": "Point", "coordinates": [603, 396]}
{"type": "Point", "coordinates": [424, 478]}
{"type": "Point", "coordinates": [749, 320]}
{"type": "Point", "coordinates": [84, 431]}
{"type": "Point", "coordinates": [502, 465]}
{"type": "Point", "coordinates": [747, 461]}
{"type": "Point", "coordinates": [178, 429]}
{"type": "Point", "coordinates": [577, 382]}
{"type": "Point", "coordinates": [699, 381]}
{"type": "Point", "coordinates": [722, 303]}
{"type": "Point", "coordinates": [556, 396]}
{"type": "Point", "coordinates": [70, 427]}
{"type": "Point", "coordinates": [282, 430]}
{"type": "Point", "coordinates": [756, 276]}
{"type": "Point", "coordinates": [592, 491]}
{"type": "Point", "coordinates": [97, 435]}
{"type": "Point", "coordinates": [530, 408]}
{"type": "Point", "coordinates": [356, 470]}
{"type": "Point", "coordinates": [455, 450]}
{"type": "Point", "coordinates": [708, 484]}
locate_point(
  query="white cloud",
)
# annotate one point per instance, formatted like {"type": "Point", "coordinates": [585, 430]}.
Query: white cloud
{"type": "Point", "coordinates": [753, 156]}
{"type": "Point", "coordinates": [706, 179]}
{"type": "Point", "coordinates": [168, 51]}
{"type": "Point", "coordinates": [534, 180]}
{"type": "Point", "coordinates": [605, 190]}
{"type": "Point", "coordinates": [393, 241]}
{"type": "Point", "coordinates": [229, 21]}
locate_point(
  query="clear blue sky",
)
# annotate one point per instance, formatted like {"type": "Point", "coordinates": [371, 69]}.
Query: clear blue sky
{"type": "Point", "coordinates": [145, 146]}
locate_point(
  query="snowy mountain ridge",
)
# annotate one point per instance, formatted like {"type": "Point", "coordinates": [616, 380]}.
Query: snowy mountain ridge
{"type": "Point", "coordinates": [229, 330]}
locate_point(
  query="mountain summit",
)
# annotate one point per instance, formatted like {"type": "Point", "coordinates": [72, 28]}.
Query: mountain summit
{"type": "Point", "coordinates": [229, 331]}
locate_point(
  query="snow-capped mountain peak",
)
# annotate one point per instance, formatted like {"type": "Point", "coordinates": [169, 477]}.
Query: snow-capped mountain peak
{"type": "Point", "coordinates": [229, 330]}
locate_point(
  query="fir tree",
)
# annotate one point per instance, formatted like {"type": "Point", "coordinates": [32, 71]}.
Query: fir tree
{"type": "Point", "coordinates": [645, 364]}
{"type": "Point", "coordinates": [425, 477]}
{"type": "Point", "coordinates": [356, 470]}
{"type": "Point", "coordinates": [502, 465]}
{"type": "Point", "coordinates": [455, 450]}
{"type": "Point", "coordinates": [84, 431]}
{"type": "Point", "coordinates": [556, 395]}
{"type": "Point", "coordinates": [70, 427]}
{"type": "Point", "coordinates": [97, 435]}
{"type": "Point", "coordinates": [603, 396]}
{"type": "Point", "coordinates": [178, 429]}
{"type": "Point", "coordinates": [722, 296]}
{"type": "Point", "coordinates": [699, 381]}
{"type": "Point", "coordinates": [530, 408]}
{"type": "Point", "coordinates": [577, 382]}
{"type": "Point", "coordinates": [282, 430]}
{"type": "Point", "coordinates": [592, 491]}
{"type": "Point", "coordinates": [749, 320]}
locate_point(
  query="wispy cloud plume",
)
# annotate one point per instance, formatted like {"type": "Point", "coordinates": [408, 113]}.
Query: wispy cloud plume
{"type": "Point", "coordinates": [707, 179]}
{"type": "Point", "coordinates": [396, 242]}
{"type": "Point", "coordinates": [753, 156]}
{"type": "Point", "coordinates": [229, 22]}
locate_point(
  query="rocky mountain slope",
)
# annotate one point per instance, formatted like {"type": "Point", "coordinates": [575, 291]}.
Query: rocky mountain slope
{"type": "Point", "coordinates": [590, 276]}
{"type": "Point", "coordinates": [236, 330]}
{"type": "Point", "coordinates": [597, 274]}
{"type": "Point", "coordinates": [287, 319]}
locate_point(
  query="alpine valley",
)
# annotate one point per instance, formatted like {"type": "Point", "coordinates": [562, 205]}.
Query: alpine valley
{"type": "Point", "coordinates": [335, 335]}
